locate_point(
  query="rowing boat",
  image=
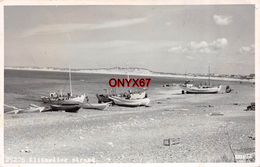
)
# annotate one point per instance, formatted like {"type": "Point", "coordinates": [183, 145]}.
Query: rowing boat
{"type": "Point", "coordinates": [203, 90]}
{"type": "Point", "coordinates": [130, 103]}
{"type": "Point", "coordinates": [66, 108]}
{"type": "Point", "coordinates": [98, 106]}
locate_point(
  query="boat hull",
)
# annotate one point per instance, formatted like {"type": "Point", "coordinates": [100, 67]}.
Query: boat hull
{"type": "Point", "coordinates": [197, 90]}
{"type": "Point", "coordinates": [67, 108]}
{"type": "Point", "coordinates": [130, 103]}
{"type": "Point", "coordinates": [99, 106]}
{"type": "Point", "coordinates": [72, 100]}
{"type": "Point", "coordinates": [105, 98]}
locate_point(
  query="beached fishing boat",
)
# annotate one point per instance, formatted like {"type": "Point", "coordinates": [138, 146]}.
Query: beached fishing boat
{"type": "Point", "coordinates": [104, 98]}
{"type": "Point", "coordinates": [66, 108]}
{"type": "Point", "coordinates": [55, 98]}
{"type": "Point", "coordinates": [130, 103]}
{"type": "Point", "coordinates": [202, 89]}
{"type": "Point", "coordinates": [129, 94]}
{"type": "Point", "coordinates": [60, 98]}
{"type": "Point", "coordinates": [99, 106]}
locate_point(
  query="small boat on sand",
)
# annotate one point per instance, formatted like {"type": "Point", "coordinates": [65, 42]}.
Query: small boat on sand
{"type": "Point", "coordinates": [104, 98]}
{"type": "Point", "coordinates": [66, 108]}
{"type": "Point", "coordinates": [60, 98]}
{"type": "Point", "coordinates": [97, 106]}
{"type": "Point", "coordinates": [55, 98]}
{"type": "Point", "coordinates": [130, 103]}
{"type": "Point", "coordinates": [203, 90]}
{"type": "Point", "coordinates": [31, 109]}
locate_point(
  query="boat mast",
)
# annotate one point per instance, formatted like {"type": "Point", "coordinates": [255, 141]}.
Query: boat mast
{"type": "Point", "coordinates": [128, 78]}
{"type": "Point", "coordinates": [209, 74]}
{"type": "Point", "coordinates": [70, 82]}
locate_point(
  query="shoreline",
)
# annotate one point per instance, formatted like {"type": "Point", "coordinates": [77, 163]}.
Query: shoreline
{"type": "Point", "coordinates": [135, 74]}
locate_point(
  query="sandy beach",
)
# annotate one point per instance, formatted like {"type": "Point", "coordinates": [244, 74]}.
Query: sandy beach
{"type": "Point", "coordinates": [121, 134]}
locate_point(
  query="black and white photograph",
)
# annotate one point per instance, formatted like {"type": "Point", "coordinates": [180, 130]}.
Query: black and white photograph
{"type": "Point", "coordinates": [129, 83]}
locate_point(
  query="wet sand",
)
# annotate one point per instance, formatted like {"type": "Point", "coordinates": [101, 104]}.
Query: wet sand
{"type": "Point", "coordinates": [122, 134]}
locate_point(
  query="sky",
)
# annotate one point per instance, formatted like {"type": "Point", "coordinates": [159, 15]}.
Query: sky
{"type": "Point", "coordinates": [172, 38]}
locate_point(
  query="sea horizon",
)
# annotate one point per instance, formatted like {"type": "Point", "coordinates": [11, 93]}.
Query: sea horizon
{"type": "Point", "coordinates": [137, 72]}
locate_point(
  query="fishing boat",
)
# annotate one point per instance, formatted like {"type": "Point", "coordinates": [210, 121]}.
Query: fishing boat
{"type": "Point", "coordinates": [60, 98]}
{"type": "Point", "coordinates": [203, 89]}
{"type": "Point", "coordinates": [66, 108]}
{"type": "Point", "coordinates": [55, 98]}
{"type": "Point", "coordinates": [129, 94]}
{"type": "Point", "coordinates": [105, 98]}
{"type": "Point", "coordinates": [98, 106]}
{"type": "Point", "coordinates": [130, 103]}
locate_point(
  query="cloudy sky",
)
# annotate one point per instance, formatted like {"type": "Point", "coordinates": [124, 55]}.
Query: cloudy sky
{"type": "Point", "coordinates": [161, 38]}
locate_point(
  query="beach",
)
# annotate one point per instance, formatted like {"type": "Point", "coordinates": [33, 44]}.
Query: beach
{"type": "Point", "coordinates": [122, 134]}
